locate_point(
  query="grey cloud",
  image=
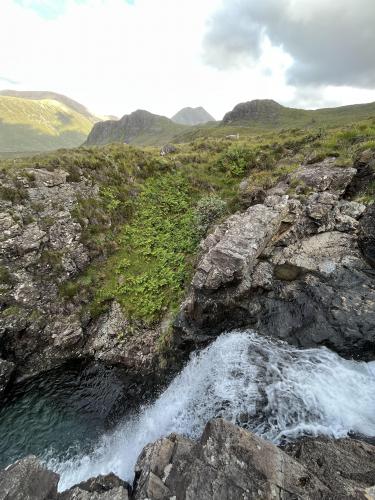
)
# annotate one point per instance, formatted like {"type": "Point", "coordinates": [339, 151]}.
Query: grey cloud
{"type": "Point", "coordinates": [334, 44]}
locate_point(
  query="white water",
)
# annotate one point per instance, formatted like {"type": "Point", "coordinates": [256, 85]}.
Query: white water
{"type": "Point", "coordinates": [275, 390]}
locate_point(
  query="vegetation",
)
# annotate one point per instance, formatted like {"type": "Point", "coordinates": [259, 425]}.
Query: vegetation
{"type": "Point", "coordinates": [143, 228]}
{"type": "Point", "coordinates": [40, 125]}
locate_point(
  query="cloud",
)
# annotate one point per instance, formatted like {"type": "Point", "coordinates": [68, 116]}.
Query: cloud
{"type": "Point", "coordinates": [8, 80]}
{"type": "Point", "coordinates": [331, 42]}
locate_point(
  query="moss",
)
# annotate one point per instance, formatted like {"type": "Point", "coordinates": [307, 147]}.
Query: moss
{"type": "Point", "coordinates": [5, 276]}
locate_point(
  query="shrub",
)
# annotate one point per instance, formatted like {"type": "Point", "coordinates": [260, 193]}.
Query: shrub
{"type": "Point", "coordinates": [208, 210]}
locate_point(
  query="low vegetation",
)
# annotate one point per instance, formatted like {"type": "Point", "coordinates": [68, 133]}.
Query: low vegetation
{"type": "Point", "coordinates": [144, 226]}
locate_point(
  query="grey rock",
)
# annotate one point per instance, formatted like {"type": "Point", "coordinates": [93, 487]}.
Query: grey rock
{"type": "Point", "coordinates": [325, 176]}
{"type": "Point", "coordinates": [27, 479]}
{"type": "Point", "coordinates": [366, 238]}
{"type": "Point", "coordinates": [227, 463]}
{"type": "Point", "coordinates": [108, 487]}
{"type": "Point", "coordinates": [346, 466]}
{"type": "Point", "coordinates": [290, 268]}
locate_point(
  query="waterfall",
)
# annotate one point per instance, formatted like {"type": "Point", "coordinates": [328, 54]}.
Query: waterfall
{"type": "Point", "coordinates": [275, 390]}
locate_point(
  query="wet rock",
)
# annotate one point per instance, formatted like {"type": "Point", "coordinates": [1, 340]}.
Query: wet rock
{"type": "Point", "coordinates": [27, 479]}
{"type": "Point", "coordinates": [109, 487]}
{"type": "Point", "coordinates": [6, 371]}
{"type": "Point", "coordinates": [346, 466]}
{"type": "Point", "coordinates": [226, 463]}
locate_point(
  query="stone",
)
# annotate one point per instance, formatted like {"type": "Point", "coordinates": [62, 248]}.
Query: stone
{"type": "Point", "coordinates": [109, 487]}
{"type": "Point", "coordinates": [6, 372]}
{"type": "Point", "coordinates": [227, 463]}
{"type": "Point", "coordinates": [346, 466]}
{"type": "Point", "coordinates": [366, 238]}
{"type": "Point", "coordinates": [27, 479]}
{"type": "Point", "coordinates": [325, 176]}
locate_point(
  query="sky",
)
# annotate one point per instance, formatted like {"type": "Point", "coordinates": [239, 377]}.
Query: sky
{"type": "Point", "coordinates": [116, 56]}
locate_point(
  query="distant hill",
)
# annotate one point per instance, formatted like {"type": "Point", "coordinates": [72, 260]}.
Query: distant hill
{"type": "Point", "coordinates": [192, 116]}
{"type": "Point", "coordinates": [140, 127]}
{"type": "Point", "coordinates": [268, 114]}
{"type": "Point", "coordinates": [41, 121]}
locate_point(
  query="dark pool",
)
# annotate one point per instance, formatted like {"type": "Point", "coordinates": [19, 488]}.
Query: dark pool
{"type": "Point", "coordinates": [64, 411]}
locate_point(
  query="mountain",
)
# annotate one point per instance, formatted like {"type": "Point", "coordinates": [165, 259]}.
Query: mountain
{"type": "Point", "coordinates": [266, 113]}
{"type": "Point", "coordinates": [140, 127]}
{"type": "Point", "coordinates": [192, 116]}
{"type": "Point", "coordinates": [41, 121]}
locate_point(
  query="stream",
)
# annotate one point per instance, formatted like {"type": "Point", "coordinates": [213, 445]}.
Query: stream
{"type": "Point", "coordinates": [84, 422]}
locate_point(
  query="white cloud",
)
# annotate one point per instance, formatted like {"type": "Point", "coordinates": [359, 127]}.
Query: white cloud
{"type": "Point", "coordinates": [115, 57]}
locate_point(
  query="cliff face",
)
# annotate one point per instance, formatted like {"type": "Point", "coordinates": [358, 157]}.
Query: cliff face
{"type": "Point", "coordinates": [297, 266]}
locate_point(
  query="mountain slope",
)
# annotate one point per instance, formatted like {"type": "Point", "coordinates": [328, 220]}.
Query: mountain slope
{"type": "Point", "coordinates": [32, 121]}
{"type": "Point", "coordinates": [192, 116]}
{"type": "Point", "coordinates": [270, 114]}
{"type": "Point", "coordinates": [140, 127]}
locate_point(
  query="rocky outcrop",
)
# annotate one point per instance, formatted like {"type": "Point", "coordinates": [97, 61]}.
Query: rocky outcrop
{"type": "Point", "coordinates": [293, 267]}
{"type": "Point", "coordinates": [42, 247]}
{"type": "Point", "coordinates": [227, 462]}
{"type": "Point", "coordinates": [231, 463]}
{"type": "Point", "coordinates": [28, 479]}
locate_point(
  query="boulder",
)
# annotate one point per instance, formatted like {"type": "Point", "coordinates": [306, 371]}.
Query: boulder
{"type": "Point", "coordinates": [325, 176]}
{"type": "Point", "coordinates": [227, 463]}
{"type": "Point", "coordinates": [108, 487]}
{"type": "Point", "coordinates": [28, 479]}
{"type": "Point", "coordinates": [346, 466]}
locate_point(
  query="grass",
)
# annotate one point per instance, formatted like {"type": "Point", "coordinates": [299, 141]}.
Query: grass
{"type": "Point", "coordinates": [40, 125]}
{"type": "Point", "coordinates": [143, 227]}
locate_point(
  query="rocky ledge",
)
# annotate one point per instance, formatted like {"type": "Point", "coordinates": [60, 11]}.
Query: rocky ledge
{"type": "Point", "coordinates": [298, 266]}
{"type": "Point", "coordinates": [227, 462]}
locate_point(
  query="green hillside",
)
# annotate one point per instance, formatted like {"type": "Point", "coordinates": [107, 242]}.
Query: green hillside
{"type": "Point", "coordinates": [30, 125]}
{"type": "Point", "coordinates": [266, 116]}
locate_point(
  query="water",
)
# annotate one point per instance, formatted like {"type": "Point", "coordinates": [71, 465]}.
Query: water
{"type": "Point", "coordinates": [64, 412]}
{"type": "Point", "coordinates": [271, 388]}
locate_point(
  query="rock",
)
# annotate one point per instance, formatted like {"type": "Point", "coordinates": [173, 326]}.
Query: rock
{"type": "Point", "coordinates": [226, 463]}
{"type": "Point", "coordinates": [289, 268]}
{"type": "Point", "coordinates": [325, 176]}
{"type": "Point", "coordinates": [242, 240]}
{"type": "Point", "coordinates": [167, 149]}
{"type": "Point", "coordinates": [366, 239]}
{"type": "Point", "coordinates": [346, 466]}
{"type": "Point", "coordinates": [365, 166]}
{"type": "Point", "coordinates": [27, 479]}
{"type": "Point", "coordinates": [108, 487]}
{"type": "Point", "coordinates": [6, 371]}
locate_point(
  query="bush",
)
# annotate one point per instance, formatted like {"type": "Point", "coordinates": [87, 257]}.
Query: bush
{"type": "Point", "coordinates": [236, 160]}
{"type": "Point", "coordinates": [208, 210]}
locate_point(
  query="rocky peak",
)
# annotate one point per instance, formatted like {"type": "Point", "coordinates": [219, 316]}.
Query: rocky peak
{"type": "Point", "coordinates": [257, 110]}
{"type": "Point", "coordinates": [192, 116]}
